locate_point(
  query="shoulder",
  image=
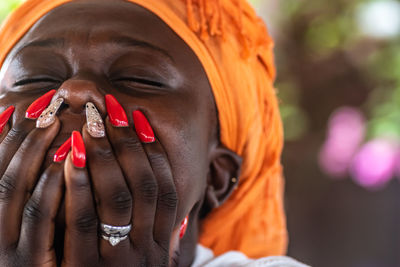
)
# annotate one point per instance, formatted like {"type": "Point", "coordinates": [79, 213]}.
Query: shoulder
{"type": "Point", "coordinates": [205, 258]}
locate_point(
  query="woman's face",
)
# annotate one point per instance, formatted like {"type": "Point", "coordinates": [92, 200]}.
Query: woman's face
{"type": "Point", "coordinates": [88, 49]}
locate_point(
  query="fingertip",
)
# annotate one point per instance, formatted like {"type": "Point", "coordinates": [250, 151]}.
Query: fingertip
{"type": "Point", "coordinates": [68, 165]}
{"type": "Point", "coordinates": [94, 122]}
{"type": "Point", "coordinates": [76, 180]}
{"type": "Point", "coordinates": [108, 123]}
{"type": "Point", "coordinates": [116, 112]}
{"type": "Point", "coordinates": [49, 132]}
{"type": "Point", "coordinates": [143, 128]}
{"type": "Point", "coordinates": [55, 169]}
{"type": "Point", "coordinates": [5, 117]}
{"type": "Point", "coordinates": [70, 170]}
{"type": "Point", "coordinates": [78, 155]}
{"type": "Point", "coordinates": [4, 131]}
{"type": "Point", "coordinates": [113, 130]}
{"type": "Point", "coordinates": [85, 132]}
{"type": "Point", "coordinates": [62, 151]}
{"type": "Point", "coordinates": [39, 105]}
{"type": "Point", "coordinates": [56, 124]}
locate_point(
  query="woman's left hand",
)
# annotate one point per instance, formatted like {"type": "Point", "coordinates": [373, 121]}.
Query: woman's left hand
{"type": "Point", "coordinates": [130, 182]}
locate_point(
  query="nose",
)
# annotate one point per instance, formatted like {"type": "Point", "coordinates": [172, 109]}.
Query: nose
{"type": "Point", "coordinates": [77, 92]}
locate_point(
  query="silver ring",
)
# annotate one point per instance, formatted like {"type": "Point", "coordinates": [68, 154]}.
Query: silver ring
{"type": "Point", "coordinates": [114, 240]}
{"type": "Point", "coordinates": [116, 231]}
{"type": "Point", "coordinates": [114, 234]}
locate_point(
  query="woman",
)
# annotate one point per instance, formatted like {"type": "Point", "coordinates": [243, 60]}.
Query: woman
{"type": "Point", "coordinates": [124, 128]}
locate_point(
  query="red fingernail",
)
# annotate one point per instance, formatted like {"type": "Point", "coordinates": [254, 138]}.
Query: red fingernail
{"type": "Point", "coordinates": [5, 116]}
{"type": "Point", "coordinates": [143, 128]}
{"type": "Point", "coordinates": [78, 155]}
{"type": "Point", "coordinates": [39, 105]}
{"type": "Point", "coordinates": [62, 152]}
{"type": "Point", "coordinates": [116, 112]}
{"type": "Point", "coordinates": [183, 228]}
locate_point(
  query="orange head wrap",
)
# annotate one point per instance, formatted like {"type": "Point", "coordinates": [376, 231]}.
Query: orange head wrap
{"type": "Point", "coordinates": [235, 50]}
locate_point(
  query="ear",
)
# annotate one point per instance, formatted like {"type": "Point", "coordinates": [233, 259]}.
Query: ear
{"type": "Point", "coordinates": [223, 176]}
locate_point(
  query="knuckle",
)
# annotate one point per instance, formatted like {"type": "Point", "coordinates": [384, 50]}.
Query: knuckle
{"type": "Point", "coordinates": [104, 154]}
{"type": "Point", "coordinates": [157, 160]}
{"type": "Point", "coordinates": [33, 212]}
{"type": "Point", "coordinates": [79, 186]}
{"type": "Point", "coordinates": [121, 201]}
{"type": "Point", "coordinates": [169, 199]}
{"type": "Point", "coordinates": [85, 222]}
{"type": "Point", "coordinates": [130, 144]}
{"type": "Point", "coordinates": [147, 188]}
{"type": "Point", "coordinates": [15, 135]}
{"type": "Point", "coordinates": [7, 187]}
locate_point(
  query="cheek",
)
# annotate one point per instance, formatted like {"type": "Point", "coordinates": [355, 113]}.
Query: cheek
{"type": "Point", "coordinates": [187, 148]}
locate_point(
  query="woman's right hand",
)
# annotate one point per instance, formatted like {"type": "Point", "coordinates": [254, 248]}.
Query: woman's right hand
{"type": "Point", "coordinates": [29, 201]}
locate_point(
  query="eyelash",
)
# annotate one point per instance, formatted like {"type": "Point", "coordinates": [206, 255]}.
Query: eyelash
{"type": "Point", "coordinates": [37, 80]}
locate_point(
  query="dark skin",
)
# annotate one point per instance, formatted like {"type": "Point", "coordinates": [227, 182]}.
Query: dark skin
{"type": "Point", "coordinates": [85, 50]}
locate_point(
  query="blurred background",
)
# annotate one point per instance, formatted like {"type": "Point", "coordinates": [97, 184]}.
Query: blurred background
{"type": "Point", "coordinates": [339, 84]}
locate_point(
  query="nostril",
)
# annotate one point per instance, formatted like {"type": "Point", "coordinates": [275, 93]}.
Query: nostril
{"type": "Point", "coordinates": [64, 106]}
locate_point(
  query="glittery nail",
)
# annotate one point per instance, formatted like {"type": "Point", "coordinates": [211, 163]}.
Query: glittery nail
{"type": "Point", "coordinates": [47, 117]}
{"type": "Point", "coordinates": [95, 124]}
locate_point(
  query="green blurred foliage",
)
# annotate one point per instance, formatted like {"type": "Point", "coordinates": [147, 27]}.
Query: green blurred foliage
{"type": "Point", "coordinates": [6, 6]}
{"type": "Point", "coordinates": [384, 101]}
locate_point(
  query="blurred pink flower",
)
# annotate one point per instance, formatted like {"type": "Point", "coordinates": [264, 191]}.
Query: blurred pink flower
{"type": "Point", "coordinates": [346, 130]}
{"type": "Point", "coordinates": [375, 163]}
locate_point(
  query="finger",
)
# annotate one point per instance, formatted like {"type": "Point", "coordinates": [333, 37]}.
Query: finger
{"type": "Point", "coordinates": [140, 179]}
{"type": "Point", "coordinates": [167, 197]}
{"type": "Point", "coordinates": [167, 201]}
{"type": "Point", "coordinates": [113, 198]}
{"type": "Point", "coordinates": [20, 177]}
{"type": "Point", "coordinates": [81, 238]}
{"type": "Point", "coordinates": [24, 125]}
{"type": "Point", "coordinates": [39, 215]}
{"type": "Point", "coordinates": [12, 141]}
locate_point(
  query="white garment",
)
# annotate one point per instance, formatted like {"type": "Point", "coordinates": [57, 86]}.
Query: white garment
{"type": "Point", "coordinates": [205, 258]}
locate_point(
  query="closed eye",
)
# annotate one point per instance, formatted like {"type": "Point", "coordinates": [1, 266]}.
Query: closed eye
{"type": "Point", "coordinates": [140, 81]}
{"type": "Point", "coordinates": [35, 80]}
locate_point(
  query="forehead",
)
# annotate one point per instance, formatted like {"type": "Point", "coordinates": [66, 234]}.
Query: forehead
{"type": "Point", "coordinates": [91, 22]}
{"type": "Point", "coordinates": [99, 16]}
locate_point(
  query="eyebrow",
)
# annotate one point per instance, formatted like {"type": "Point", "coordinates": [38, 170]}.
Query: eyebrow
{"type": "Point", "coordinates": [53, 42]}
{"type": "Point", "coordinates": [119, 40]}
{"type": "Point", "coordinates": [130, 42]}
